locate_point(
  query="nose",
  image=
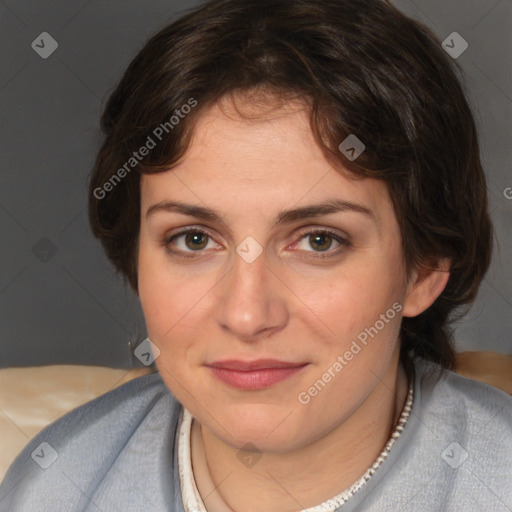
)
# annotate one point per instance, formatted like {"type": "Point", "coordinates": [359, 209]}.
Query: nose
{"type": "Point", "coordinates": [252, 303]}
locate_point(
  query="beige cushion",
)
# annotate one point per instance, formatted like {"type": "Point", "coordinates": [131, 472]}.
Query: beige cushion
{"type": "Point", "coordinates": [489, 367]}
{"type": "Point", "coordinates": [32, 398]}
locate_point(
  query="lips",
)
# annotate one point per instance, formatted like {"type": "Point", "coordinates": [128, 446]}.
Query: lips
{"type": "Point", "coordinates": [254, 375]}
{"type": "Point", "coordinates": [259, 364]}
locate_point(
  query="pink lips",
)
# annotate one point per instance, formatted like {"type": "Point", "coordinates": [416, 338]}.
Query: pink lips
{"type": "Point", "coordinates": [253, 375]}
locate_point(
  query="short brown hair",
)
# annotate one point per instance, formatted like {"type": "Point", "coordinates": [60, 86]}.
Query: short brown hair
{"type": "Point", "coordinates": [364, 68]}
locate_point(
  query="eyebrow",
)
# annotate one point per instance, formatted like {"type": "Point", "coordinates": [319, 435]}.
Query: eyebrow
{"type": "Point", "coordinates": [284, 217]}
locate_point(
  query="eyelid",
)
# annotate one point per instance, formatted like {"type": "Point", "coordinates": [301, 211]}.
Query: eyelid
{"type": "Point", "coordinates": [183, 231]}
{"type": "Point", "coordinates": [310, 230]}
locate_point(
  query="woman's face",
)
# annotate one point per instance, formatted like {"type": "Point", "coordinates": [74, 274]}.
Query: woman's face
{"type": "Point", "coordinates": [265, 274]}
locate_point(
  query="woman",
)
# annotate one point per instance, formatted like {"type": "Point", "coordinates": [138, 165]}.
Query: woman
{"type": "Point", "coordinates": [294, 191]}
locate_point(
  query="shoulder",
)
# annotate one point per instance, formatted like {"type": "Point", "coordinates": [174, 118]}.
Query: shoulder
{"type": "Point", "coordinates": [454, 453]}
{"type": "Point", "coordinates": [83, 445]}
{"type": "Point", "coordinates": [473, 402]}
{"type": "Point", "coordinates": [477, 398]}
{"type": "Point", "coordinates": [467, 428]}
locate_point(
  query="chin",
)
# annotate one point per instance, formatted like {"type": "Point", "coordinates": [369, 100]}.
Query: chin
{"type": "Point", "coordinates": [260, 426]}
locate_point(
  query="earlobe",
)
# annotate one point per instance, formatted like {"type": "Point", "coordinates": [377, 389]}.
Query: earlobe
{"type": "Point", "coordinates": [425, 286]}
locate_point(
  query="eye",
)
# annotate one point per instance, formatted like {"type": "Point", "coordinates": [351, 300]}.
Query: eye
{"type": "Point", "coordinates": [321, 240]}
{"type": "Point", "coordinates": [189, 241]}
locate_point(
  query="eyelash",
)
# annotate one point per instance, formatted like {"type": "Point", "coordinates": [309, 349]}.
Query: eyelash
{"type": "Point", "coordinates": [315, 254]}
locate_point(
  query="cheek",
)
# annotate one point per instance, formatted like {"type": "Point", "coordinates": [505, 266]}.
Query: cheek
{"type": "Point", "coordinates": [172, 300]}
{"type": "Point", "coordinates": [354, 298]}
{"type": "Point", "coordinates": [161, 299]}
{"type": "Point", "coordinates": [357, 305]}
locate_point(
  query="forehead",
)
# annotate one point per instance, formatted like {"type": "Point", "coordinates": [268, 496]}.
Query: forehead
{"type": "Point", "coordinates": [261, 151]}
{"type": "Point", "coordinates": [250, 133]}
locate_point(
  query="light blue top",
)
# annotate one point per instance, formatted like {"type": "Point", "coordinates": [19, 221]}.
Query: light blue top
{"type": "Point", "coordinates": [119, 453]}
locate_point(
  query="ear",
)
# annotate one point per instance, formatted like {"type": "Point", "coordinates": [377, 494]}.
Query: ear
{"type": "Point", "coordinates": [425, 285]}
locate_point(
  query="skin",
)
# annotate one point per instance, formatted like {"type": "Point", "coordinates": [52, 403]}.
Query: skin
{"type": "Point", "coordinates": [287, 304]}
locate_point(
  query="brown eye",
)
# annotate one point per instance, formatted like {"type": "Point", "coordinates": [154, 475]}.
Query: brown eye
{"type": "Point", "coordinates": [320, 241]}
{"type": "Point", "coordinates": [196, 240]}
{"type": "Point", "coordinates": [190, 241]}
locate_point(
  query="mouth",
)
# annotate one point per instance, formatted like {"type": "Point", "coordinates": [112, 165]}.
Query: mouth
{"type": "Point", "coordinates": [254, 375]}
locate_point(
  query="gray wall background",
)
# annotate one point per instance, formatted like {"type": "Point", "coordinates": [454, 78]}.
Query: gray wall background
{"type": "Point", "coordinates": [60, 301]}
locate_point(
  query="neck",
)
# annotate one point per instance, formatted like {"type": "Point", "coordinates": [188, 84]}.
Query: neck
{"type": "Point", "coordinates": [306, 477]}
